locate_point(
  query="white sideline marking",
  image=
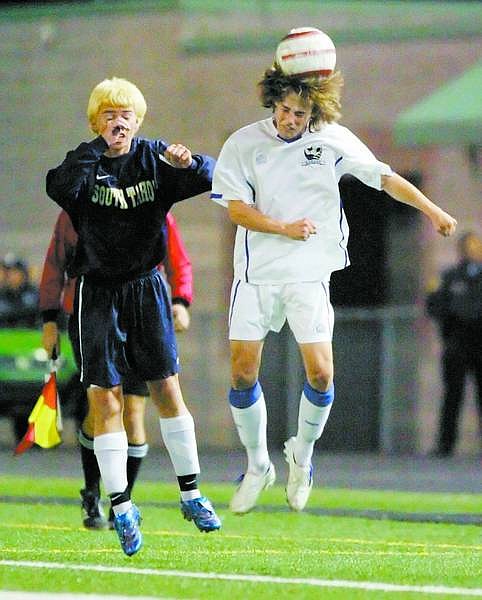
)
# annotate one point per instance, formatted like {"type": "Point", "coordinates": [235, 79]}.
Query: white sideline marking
{"type": "Point", "coordinates": [65, 596]}
{"type": "Point", "coordinates": [328, 583]}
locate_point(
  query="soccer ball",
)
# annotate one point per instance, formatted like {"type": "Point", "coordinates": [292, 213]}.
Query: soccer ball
{"type": "Point", "coordinates": [306, 51]}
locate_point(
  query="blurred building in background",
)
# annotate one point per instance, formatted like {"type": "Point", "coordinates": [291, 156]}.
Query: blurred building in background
{"type": "Point", "coordinates": [198, 64]}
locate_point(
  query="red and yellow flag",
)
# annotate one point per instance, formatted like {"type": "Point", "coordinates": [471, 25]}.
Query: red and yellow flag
{"type": "Point", "coordinates": [44, 422]}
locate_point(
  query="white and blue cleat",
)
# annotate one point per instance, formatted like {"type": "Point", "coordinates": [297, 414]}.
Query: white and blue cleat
{"type": "Point", "coordinates": [250, 487]}
{"type": "Point", "coordinates": [300, 479]}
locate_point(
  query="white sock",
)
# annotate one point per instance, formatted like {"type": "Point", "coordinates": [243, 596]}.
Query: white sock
{"type": "Point", "coordinates": [180, 440]}
{"type": "Point", "coordinates": [120, 509]}
{"type": "Point", "coordinates": [251, 425]}
{"type": "Point", "coordinates": [110, 450]}
{"type": "Point", "coordinates": [190, 494]}
{"type": "Point", "coordinates": [311, 422]}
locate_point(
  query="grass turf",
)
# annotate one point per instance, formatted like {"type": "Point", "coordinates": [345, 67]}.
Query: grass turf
{"type": "Point", "coordinates": [263, 543]}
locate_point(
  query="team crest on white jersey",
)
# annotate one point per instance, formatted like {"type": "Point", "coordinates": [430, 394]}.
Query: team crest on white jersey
{"type": "Point", "coordinates": [313, 155]}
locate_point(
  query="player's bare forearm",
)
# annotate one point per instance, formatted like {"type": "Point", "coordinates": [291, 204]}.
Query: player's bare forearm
{"type": "Point", "coordinates": [251, 218]}
{"type": "Point", "coordinates": [403, 191]}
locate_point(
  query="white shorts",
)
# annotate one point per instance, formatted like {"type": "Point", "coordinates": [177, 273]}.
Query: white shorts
{"type": "Point", "coordinates": [256, 309]}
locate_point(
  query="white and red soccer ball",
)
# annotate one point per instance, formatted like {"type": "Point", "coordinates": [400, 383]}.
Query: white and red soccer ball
{"type": "Point", "coordinates": [306, 52]}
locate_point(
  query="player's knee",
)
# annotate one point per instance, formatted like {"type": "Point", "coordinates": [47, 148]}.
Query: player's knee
{"type": "Point", "coordinates": [106, 406]}
{"type": "Point", "coordinates": [242, 380]}
{"type": "Point", "coordinates": [320, 379]}
{"type": "Point", "coordinates": [108, 410]}
{"type": "Point", "coordinates": [244, 375]}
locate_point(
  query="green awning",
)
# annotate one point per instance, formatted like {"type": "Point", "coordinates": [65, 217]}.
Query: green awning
{"type": "Point", "coordinates": [451, 115]}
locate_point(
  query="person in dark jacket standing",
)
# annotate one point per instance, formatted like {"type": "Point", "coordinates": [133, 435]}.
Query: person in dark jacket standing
{"type": "Point", "coordinates": [117, 190]}
{"type": "Point", "coordinates": [456, 305]}
{"type": "Point", "coordinates": [18, 295]}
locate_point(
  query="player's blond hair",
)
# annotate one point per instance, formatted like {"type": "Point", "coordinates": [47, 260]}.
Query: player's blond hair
{"type": "Point", "coordinates": [115, 93]}
{"type": "Point", "coordinates": [324, 93]}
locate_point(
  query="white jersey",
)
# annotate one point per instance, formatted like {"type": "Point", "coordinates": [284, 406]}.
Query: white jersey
{"type": "Point", "coordinates": [289, 181]}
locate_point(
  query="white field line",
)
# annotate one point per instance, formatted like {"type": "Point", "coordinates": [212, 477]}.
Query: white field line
{"type": "Point", "coordinates": [65, 596]}
{"type": "Point", "coordinates": [324, 583]}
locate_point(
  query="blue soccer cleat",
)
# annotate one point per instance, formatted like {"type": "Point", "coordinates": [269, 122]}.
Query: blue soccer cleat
{"type": "Point", "coordinates": [201, 511]}
{"type": "Point", "coordinates": [127, 528]}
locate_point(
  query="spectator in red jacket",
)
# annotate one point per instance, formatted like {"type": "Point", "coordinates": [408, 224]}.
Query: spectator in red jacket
{"type": "Point", "coordinates": [57, 291]}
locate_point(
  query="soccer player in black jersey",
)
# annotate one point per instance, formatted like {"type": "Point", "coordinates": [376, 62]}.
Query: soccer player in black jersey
{"type": "Point", "coordinates": [117, 190]}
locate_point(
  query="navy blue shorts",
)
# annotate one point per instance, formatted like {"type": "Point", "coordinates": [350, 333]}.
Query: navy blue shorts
{"type": "Point", "coordinates": [125, 330]}
{"type": "Point", "coordinates": [131, 384]}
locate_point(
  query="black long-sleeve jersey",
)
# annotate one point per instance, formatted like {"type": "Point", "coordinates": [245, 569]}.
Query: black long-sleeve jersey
{"type": "Point", "coordinates": [118, 205]}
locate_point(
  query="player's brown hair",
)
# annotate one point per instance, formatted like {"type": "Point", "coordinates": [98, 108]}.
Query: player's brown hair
{"type": "Point", "coordinates": [323, 92]}
{"type": "Point", "coordinates": [115, 93]}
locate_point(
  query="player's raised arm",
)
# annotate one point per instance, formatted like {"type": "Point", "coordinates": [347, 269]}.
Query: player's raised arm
{"type": "Point", "coordinates": [402, 190]}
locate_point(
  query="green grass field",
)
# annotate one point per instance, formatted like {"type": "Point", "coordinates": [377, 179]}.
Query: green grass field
{"type": "Point", "coordinates": [270, 553]}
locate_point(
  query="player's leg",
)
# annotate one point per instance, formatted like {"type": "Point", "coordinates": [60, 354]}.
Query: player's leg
{"type": "Point", "coordinates": [178, 433]}
{"type": "Point", "coordinates": [134, 423]}
{"type": "Point", "coordinates": [310, 316]}
{"type": "Point", "coordinates": [314, 409]}
{"type": "Point", "coordinates": [248, 407]}
{"type": "Point", "coordinates": [152, 351]}
{"type": "Point", "coordinates": [110, 448]}
{"type": "Point", "coordinates": [92, 514]}
{"type": "Point", "coordinates": [316, 398]}
{"type": "Point", "coordinates": [134, 414]}
{"type": "Point", "coordinates": [135, 393]}
{"type": "Point", "coordinates": [251, 311]}
{"type": "Point", "coordinates": [110, 440]}
{"type": "Point", "coordinates": [454, 371]}
{"type": "Point", "coordinates": [98, 310]}
{"type": "Point", "coordinates": [247, 403]}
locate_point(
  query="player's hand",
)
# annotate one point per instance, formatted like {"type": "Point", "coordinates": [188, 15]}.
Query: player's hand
{"type": "Point", "coordinates": [300, 230]}
{"type": "Point", "coordinates": [181, 317]}
{"type": "Point", "coordinates": [444, 223]}
{"type": "Point", "coordinates": [179, 156]}
{"type": "Point", "coordinates": [50, 338]}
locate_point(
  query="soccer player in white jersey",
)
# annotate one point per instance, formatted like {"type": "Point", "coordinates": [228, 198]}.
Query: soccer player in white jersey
{"type": "Point", "coordinates": [279, 178]}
